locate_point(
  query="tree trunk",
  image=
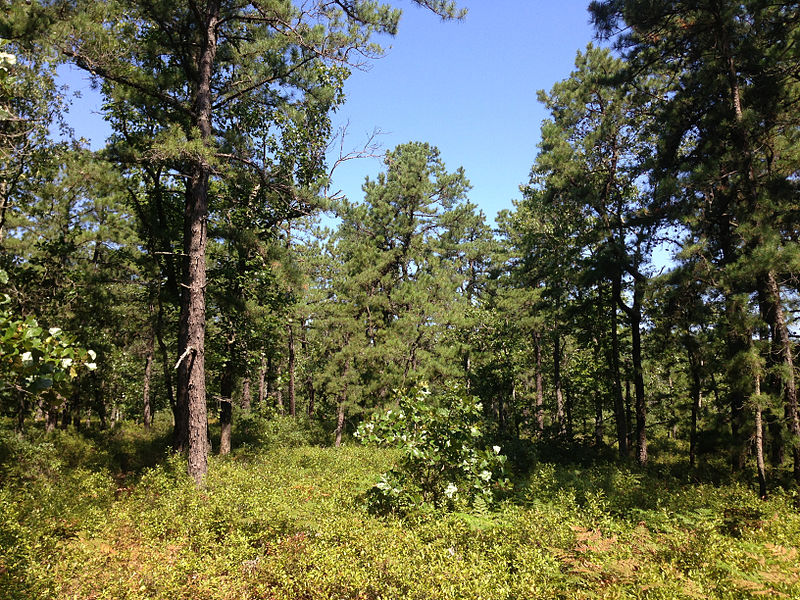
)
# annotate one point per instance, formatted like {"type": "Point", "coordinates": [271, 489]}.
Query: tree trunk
{"type": "Point", "coordinates": [619, 403]}
{"type": "Point", "coordinates": [270, 377]}
{"type": "Point", "coordinates": [262, 375]}
{"type": "Point", "coordinates": [147, 412]}
{"type": "Point", "coordinates": [191, 340]}
{"type": "Point", "coordinates": [782, 345]}
{"type": "Point", "coordinates": [226, 405]}
{"type": "Point", "coordinates": [759, 442]}
{"type": "Point", "coordinates": [539, 384]}
{"type": "Point", "coordinates": [246, 397]}
{"type": "Point", "coordinates": [279, 393]}
{"type": "Point", "coordinates": [697, 398]}
{"type": "Point", "coordinates": [22, 409]}
{"type": "Point", "coordinates": [598, 420]}
{"type": "Point", "coordinates": [311, 395]}
{"type": "Point", "coordinates": [309, 381]}
{"type": "Point", "coordinates": [291, 367]}
{"type": "Point", "coordinates": [736, 344]}
{"type": "Point", "coordinates": [638, 375]}
{"type": "Point", "coordinates": [340, 407]}
{"type": "Point", "coordinates": [568, 409]}
{"type": "Point", "coordinates": [775, 428]}
{"type": "Point", "coordinates": [557, 381]}
{"type": "Point", "coordinates": [634, 313]}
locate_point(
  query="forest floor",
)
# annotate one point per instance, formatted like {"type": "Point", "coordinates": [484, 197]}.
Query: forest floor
{"type": "Point", "coordinates": [111, 515]}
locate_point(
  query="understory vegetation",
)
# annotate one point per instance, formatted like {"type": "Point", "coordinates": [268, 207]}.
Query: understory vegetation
{"type": "Point", "coordinates": [111, 514]}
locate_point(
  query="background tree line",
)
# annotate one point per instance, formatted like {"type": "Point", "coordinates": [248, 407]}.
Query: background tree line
{"type": "Point", "coordinates": [187, 254]}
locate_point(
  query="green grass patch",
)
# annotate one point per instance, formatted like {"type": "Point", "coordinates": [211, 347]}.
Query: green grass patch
{"type": "Point", "coordinates": [291, 522]}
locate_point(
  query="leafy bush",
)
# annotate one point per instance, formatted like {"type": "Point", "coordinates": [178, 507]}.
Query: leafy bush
{"type": "Point", "coordinates": [277, 431]}
{"type": "Point", "coordinates": [444, 460]}
{"type": "Point", "coordinates": [34, 361]}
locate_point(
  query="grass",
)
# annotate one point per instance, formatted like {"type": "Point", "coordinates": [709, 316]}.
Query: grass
{"type": "Point", "coordinates": [111, 515]}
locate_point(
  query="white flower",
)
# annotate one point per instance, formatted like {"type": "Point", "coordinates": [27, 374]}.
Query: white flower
{"type": "Point", "coordinates": [66, 363]}
{"type": "Point", "coordinates": [485, 475]}
{"type": "Point", "coordinates": [496, 449]}
{"type": "Point", "coordinates": [54, 330]}
{"type": "Point", "coordinates": [450, 490]}
{"type": "Point", "coordinates": [27, 358]}
{"type": "Point", "coordinates": [92, 354]}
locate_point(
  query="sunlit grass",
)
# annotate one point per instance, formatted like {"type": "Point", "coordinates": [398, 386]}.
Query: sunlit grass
{"type": "Point", "coordinates": [291, 522]}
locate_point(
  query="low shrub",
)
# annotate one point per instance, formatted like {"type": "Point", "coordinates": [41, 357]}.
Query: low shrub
{"type": "Point", "coordinates": [445, 461]}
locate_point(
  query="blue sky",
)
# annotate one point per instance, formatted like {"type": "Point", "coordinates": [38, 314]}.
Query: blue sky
{"type": "Point", "coordinates": [467, 87]}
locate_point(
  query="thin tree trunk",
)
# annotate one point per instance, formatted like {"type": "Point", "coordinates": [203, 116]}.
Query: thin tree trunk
{"type": "Point", "coordinates": [309, 380]}
{"type": "Point", "coordinates": [340, 408]}
{"type": "Point", "coordinates": [697, 398]}
{"type": "Point", "coordinates": [262, 375]}
{"type": "Point", "coordinates": [22, 409]}
{"type": "Point", "coordinates": [775, 428]}
{"type": "Point", "coordinates": [226, 405]}
{"type": "Point", "coordinates": [247, 399]}
{"type": "Point", "coordinates": [736, 344]}
{"type": "Point", "coordinates": [147, 412]}
{"type": "Point", "coordinates": [539, 384]}
{"type": "Point", "coordinates": [619, 403]}
{"type": "Point", "coordinates": [557, 381]}
{"type": "Point", "coordinates": [568, 409]}
{"type": "Point", "coordinates": [638, 378]}
{"type": "Point", "coordinates": [279, 393]}
{"type": "Point", "coordinates": [634, 313]}
{"type": "Point", "coordinates": [51, 419]}
{"type": "Point", "coordinates": [759, 441]}
{"type": "Point", "coordinates": [291, 367]}
{"type": "Point", "coordinates": [783, 348]}
{"type": "Point", "coordinates": [599, 428]}
{"type": "Point", "coordinates": [270, 377]}
{"type": "Point", "coordinates": [311, 395]}
{"type": "Point", "coordinates": [629, 411]}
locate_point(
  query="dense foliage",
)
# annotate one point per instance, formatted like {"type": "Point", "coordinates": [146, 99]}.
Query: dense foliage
{"type": "Point", "coordinates": [444, 457]}
{"type": "Point", "coordinates": [613, 369]}
{"type": "Point", "coordinates": [291, 522]}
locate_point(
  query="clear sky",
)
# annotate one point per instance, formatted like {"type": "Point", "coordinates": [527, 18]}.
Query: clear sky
{"type": "Point", "coordinates": [467, 87]}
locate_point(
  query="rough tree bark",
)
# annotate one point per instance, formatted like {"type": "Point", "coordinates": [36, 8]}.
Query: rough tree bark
{"type": "Point", "coordinates": [192, 325]}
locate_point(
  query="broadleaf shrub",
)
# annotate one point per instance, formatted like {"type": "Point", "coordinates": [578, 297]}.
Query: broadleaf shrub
{"type": "Point", "coordinates": [445, 461]}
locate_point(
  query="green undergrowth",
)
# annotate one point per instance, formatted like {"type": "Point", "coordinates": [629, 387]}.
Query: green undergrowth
{"type": "Point", "coordinates": [290, 522]}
